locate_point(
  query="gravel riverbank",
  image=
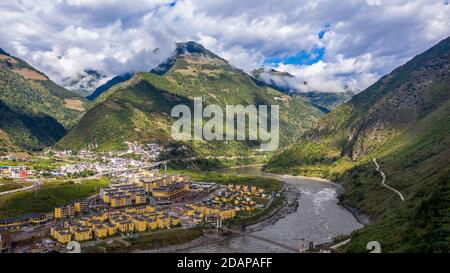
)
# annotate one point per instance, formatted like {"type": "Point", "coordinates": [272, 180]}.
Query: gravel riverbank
{"type": "Point", "coordinates": [289, 205]}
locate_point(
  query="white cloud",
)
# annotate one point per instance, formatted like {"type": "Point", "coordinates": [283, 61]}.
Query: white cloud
{"type": "Point", "coordinates": [365, 39]}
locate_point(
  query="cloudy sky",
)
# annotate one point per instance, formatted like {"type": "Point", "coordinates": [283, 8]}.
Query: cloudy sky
{"type": "Point", "coordinates": [328, 43]}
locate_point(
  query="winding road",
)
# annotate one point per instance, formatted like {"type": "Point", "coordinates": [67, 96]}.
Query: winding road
{"type": "Point", "coordinates": [36, 184]}
{"type": "Point", "coordinates": [384, 180]}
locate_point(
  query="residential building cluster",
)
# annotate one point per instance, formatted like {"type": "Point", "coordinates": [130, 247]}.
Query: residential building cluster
{"type": "Point", "coordinates": [124, 206]}
{"type": "Point", "coordinates": [24, 220]}
{"type": "Point", "coordinates": [148, 151]}
{"type": "Point", "coordinates": [123, 195]}
{"type": "Point", "coordinates": [71, 210]}
{"type": "Point", "coordinates": [247, 190]}
{"type": "Point", "coordinates": [106, 164]}
{"type": "Point", "coordinates": [154, 180]}
{"type": "Point", "coordinates": [226, 203]}
{"type": "Point", "coordinates": [135, 190]}
{"type": "Point", "coordinates": [165, 186]}
{"type": "Point", "coordinates": [15, 171]}
{"type": "Point", "coordinates": [114, 222]}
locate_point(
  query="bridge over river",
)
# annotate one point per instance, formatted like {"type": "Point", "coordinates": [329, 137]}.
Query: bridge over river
{"type": "Point", "coordinates": [261, 238]}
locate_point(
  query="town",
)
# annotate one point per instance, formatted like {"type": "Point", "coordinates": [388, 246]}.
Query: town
{"type": "Point", "coordinates": [85, 162]}
{"type": "Point", "coordinates": [137, 200]}
{"type": "Point", "coordinates": [124, 207]}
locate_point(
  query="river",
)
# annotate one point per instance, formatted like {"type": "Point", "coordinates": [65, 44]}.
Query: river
{"type": "Point", "coordinates": [318, 218]}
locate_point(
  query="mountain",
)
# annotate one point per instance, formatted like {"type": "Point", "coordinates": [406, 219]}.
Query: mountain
{"type": "Point", "coordinates": [275, 78]}
{"type": "Point", "coordinates": [139, 109]}
{"type": "Point", "coordinates": [85, 82]}
{"type": "Point", "coordinates": [2, 52]}
{"type": "Point", "coordinates": [106, 86]}
{"type": "Point", "coordinates": [326, 101]}
{"type": "Point", "coordinates": [289, 84]}
{"type": "Point", "coordinates": [34, 111]}
{"type": "Point", "coordinates": [403, 120]}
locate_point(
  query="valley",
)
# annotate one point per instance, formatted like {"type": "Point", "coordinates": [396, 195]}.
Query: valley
{"type": "Point", "coordinates": [386, 148]}
{"type": "Point", "coordinates": [402, 120]}
{"type": "Point", "coordinates": [140, 108]}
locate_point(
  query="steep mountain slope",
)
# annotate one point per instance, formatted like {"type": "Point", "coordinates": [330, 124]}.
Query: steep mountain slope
{"type": "Point", "coordinates": [106, 86]}
{"type": "Point", "coordinates": [325, 101]}
{"type": "Point", "coordinates": [289, 84]}
{"type": "Point", "coordinates": [404, 121]}
{"type": "Point", "coordinates": [35, 112]}
{"type": "Point", "coordinates": [139, 109]}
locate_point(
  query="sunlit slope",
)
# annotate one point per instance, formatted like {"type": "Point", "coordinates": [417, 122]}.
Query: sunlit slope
{"type": "Point", "coordinates": [34, 111]}
{"type": "Point", "coordinates": [404, 121]}
{"type": "Point", "coordinates": [139, 109]}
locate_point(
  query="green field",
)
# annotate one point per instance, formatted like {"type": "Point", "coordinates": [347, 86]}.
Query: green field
{"type": "Point", "coordinates": [268, 184]}
{"type": "Point", "coordinates": [37, 163]}
{"type": "Point", "coordinates": [9, 184]}
{"type": "Point", "coordinates": [212, 164]}
{"type": "Point", "coordinates": [49, 196]}
{"type": "Point", "coordinates": [165, 239]}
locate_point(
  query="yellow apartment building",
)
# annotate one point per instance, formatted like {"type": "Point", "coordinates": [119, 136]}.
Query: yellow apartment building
{"type": "Point", "coordinates": [63, 236]}
{"type": "Point", "coordinates": [82, 234]}
{"type": "Point", "coordinates": [101, 231]}
{"type": "Point", "coordinates": [152, 224]}
{"type": "Point", "coordinates": [112, 229]}
{"type": "Point", "coordinates": [141, 199]}
{"type": "Point", "coordinates": [140, 224]}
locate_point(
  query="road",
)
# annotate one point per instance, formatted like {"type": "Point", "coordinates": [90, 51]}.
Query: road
{"type": "Point", "coordinates": [338, 245]}
{"type": "Point", "coordinates": [36, 184]}
{"type": "Point", "coordinates": [383, 181]}
{"type": "Point", "coordinates": [153, 165]}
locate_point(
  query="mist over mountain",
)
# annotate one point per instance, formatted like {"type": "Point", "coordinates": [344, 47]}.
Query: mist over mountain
{"type": "Point", "coordinates": [289, 84]}
{"type": "Point", "coordinates": [139, 109]}
{"type": "Point", "coordinates": [85, 82]}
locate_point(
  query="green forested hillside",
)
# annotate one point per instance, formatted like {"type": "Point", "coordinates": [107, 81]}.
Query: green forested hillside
{"type": "Point", "coordinates": [326, 101]}
{"type": "Point", "coordinates": [36, 112]}
{"type": "Point", "coordinates": [404, 121]}
{"type": "Point", "coordinates": [139, 109]}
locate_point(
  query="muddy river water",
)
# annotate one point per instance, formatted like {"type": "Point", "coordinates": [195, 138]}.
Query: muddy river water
{"type": "Point", "coordinates": [318, 219]}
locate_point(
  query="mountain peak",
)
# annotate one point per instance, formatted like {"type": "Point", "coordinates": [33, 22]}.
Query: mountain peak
{"type": "Point", "coordinates": [270, 71]}
{"type": "Point", "coordinates": [191, 51]}
{"type": "Point", "coordinates": [189, 47]}
{"type": "Point", "coordinates": [193, 48]}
